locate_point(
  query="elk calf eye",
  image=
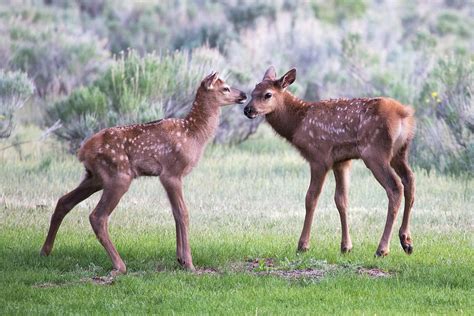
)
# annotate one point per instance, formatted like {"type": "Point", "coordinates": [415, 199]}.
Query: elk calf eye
{"type": "Point", "coordinates": [268, 95]}
{"type": "Point", "coordinates": [227, 89]}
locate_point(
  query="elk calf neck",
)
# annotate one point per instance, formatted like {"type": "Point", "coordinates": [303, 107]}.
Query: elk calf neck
{"type": "Point", "coordinates": [167, 148]}
{"type": "Point", "coordinates": [329, 134]}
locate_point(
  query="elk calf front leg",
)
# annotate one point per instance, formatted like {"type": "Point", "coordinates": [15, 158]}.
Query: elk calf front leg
{"type": "Point", "coordinates": [174, 189]}
{"type": "Point", "coordinates": [341, 198]}
{"type": "Point", "coordinates": [318, 174]}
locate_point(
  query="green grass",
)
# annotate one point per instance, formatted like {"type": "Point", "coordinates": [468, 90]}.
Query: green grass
{"type": "Point", "coordinates": [245, 202]}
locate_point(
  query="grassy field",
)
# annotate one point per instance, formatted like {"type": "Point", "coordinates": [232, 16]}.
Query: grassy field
{"type": "Point", "coordinates": [247, 207]}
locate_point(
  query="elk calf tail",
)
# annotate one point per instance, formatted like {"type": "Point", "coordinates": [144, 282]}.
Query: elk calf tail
{"type": "Point", "coordinates": [407, 123]}
{"type": "Point", "coordinates": [405, 111]}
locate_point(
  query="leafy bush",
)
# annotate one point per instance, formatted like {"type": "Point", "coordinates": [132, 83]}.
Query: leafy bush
{"type": "Point", "coordinates": [336, 11]}
{"type": "Point", "coordinates": [452, 23]}
{"type": "Point", "coordinates": [244, 15]}
{"type": "Point", "coordinates": [15, 89]}
{"type": "Point", "coordinates": [149, 26]}
{"type": "Point", "coordinates": [58, 56]}
{"type": "Point", "coordinates": [446, 120]}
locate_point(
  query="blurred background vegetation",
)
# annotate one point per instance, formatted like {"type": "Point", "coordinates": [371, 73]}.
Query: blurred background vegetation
{"type": "Point", "coordinates": [82, 65]}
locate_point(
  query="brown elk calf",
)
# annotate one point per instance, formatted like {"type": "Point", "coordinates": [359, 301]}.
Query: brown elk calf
{"type": "Point", "coordinates": [328, 134]}
{"type": "Point", "coordinates": [167, 148]}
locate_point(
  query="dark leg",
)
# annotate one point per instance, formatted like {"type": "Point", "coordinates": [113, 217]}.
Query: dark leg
{"type": "Point", "coordinates": [114, 189]}
{"type": "Point", "coordinates": [400, 164]}
{"type": "Point", "coordinates": [86, 188]}
{"type": "Point", "coordinates": [318, 175]}
{"type": "Point", "coordinates": [387, 177]}
{"type": "Point", "coordinates": [341, 197]}
{"type": "Point", "coordinates": [174, 189]}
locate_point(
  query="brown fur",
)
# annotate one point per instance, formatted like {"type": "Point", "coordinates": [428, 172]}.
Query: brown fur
{"type": "Point", "coordinates": [167, 148]}
{"type": "Point", "coordinates": [330, 133]}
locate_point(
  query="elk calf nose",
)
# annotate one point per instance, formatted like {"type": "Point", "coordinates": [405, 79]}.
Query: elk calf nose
{"type": "Point", "coordinates": [248, 112]}
{"type": "Point", "coordinates": [243, 97]}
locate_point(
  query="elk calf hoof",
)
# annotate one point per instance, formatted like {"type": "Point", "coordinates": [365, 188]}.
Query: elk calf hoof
{"type": "Point", "coordinates": [346, 249]}
{"type": "Point", "coordinates": [380, 253]}
{"type": "Point", "coordinates": [117, 272]}
{"type": "Point", "coordinates": [406, 243]}
{"type": "Point", "coordinates": [186, 265]}
{"type": "Point", "coordinates": [302, 247]}
{"type": "Point", "coordinates": [407, 248]}
{"type": "Point", "coordinates": [44, 252]}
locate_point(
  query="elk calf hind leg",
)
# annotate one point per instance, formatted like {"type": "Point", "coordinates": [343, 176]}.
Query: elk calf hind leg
{"type": "Point", "coordinates": [400, 164]}
{"type": "Point", "coordinates": [387, 177]}
{"type": "Point", "coordinates": [341, 198]}
{"type": "Point", "coordinates": [65, 204]}
{"type": "Point", "coordinates": [111, 196]}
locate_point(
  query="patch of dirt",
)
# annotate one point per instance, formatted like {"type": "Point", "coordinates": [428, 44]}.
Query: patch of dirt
{"type": "Point", "coordinates": [197, 271]}
{"type": "Point", "coordinates": [296, 274]}
{"type": "Point", "coordinates": [267, 266]}
{"type": "Point", "coordinates": [99, 280]}
{"type": "Point", "coordinates": [103, 280]}
{"type": "Point", "coordinates": [203, 271]}
{"type": "Point", "coordinates": [374, 272]}
{"type": "Point", "coordinates": [45, 285]}
{"type": "Point", "coordinates": [309, 269]}
{"type": "Point", "coordinates": [260, 263]}
{"type": "Point", "coordinates": [161, 268]}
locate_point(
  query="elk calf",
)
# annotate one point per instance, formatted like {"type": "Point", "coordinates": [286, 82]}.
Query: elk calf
{"type": "Point", "coordinates": [329, 134]}
{"type": "Point", "coordinates": [167, 148]}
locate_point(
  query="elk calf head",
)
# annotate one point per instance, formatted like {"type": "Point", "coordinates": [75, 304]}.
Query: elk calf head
{"type": "Point", "coordinates": [220, 92]}
{"type": "Point", "coordinates": [267, 95]}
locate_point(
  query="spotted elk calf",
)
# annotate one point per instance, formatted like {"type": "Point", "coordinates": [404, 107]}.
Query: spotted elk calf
{"type": "Point", "coordinates": [167, 148]}
{"type": "Point", "coordinates": [329, 134]}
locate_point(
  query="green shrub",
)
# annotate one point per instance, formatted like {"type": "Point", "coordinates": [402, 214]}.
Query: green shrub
{"type": "Point", "coordinates": [58, 56]}
{"type": "Point", "coordinates": [452, 23]}
{"type": "Point", "coordinates": [336, 11]}
{"type": "Point", "coordinates": [244, 15]}
{"type": "Point", "coordinates": [446, 119]}
{"type": "Point", "coordinates": [15, 89]}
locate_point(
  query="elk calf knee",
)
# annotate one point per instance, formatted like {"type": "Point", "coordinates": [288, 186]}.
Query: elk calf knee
{"type": "Point", "coordinates": [341, 202]}
{"type": "Point", "coordinates": [96, 221]}
{"type": "Point", "coordinates": [395, 192]}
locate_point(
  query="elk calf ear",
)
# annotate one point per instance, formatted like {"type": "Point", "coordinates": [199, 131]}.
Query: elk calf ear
{"type": "Point", "coordinates": [270, 74]}
{"type": "Point", "coordinates": [210, 80]}
{"type": "Point", "coordinates": [287, 78]}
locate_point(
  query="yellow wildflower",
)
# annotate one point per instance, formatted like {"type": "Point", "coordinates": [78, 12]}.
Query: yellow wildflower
{"type": "Point", "coordinates": [434, 94]}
